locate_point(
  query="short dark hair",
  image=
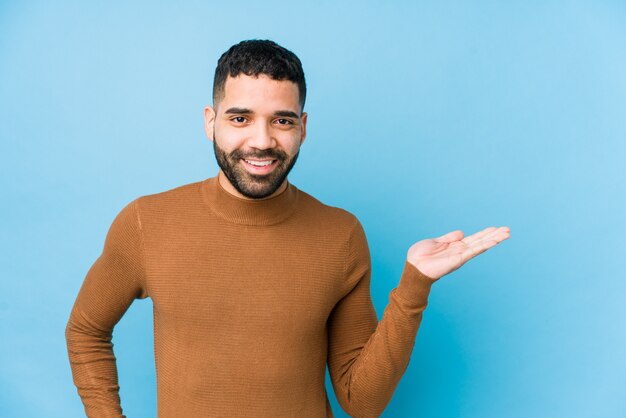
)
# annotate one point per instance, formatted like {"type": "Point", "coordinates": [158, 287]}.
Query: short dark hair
{"type": "Point", "coordinates": [254, 57]}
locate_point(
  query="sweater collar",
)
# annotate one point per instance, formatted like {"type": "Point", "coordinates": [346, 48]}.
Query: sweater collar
{"type": "Point", "coordinates": [248, 211]}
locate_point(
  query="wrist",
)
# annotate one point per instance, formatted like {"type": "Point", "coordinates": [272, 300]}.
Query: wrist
{"type": "Point", "coordinates": [414, 285]}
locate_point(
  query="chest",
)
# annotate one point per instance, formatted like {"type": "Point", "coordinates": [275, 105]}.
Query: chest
{"type": "Point", "coordinates": [246, 278]}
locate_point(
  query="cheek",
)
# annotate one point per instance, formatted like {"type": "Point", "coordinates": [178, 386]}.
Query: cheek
{"type": "Point", "coordinates": [290, 142]}
{"type": "Point", "coordinates": [230, 138]}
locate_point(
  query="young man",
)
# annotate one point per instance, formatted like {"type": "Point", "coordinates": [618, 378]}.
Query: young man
{"type": "Point", "coordinates": [256, 285]}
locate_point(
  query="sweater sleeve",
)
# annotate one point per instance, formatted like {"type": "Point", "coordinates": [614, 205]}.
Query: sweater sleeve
{"type": "Point", "coordinates": [114, 280]}
{"type": "Point", "coordinates": [366, 357]}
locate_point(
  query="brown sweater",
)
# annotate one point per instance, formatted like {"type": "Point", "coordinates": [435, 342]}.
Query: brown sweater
{"type": "Point", "coordinates": [251, 299]}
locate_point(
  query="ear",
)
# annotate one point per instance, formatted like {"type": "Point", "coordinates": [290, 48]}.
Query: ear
{"type": "Point", "coordinates": [303, 118]}
{"type": "Point", "coordinates": [209, 121]}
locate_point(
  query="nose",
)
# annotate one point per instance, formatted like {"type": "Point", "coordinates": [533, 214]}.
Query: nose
{"type": "Point", "coordinates": [262, 137]}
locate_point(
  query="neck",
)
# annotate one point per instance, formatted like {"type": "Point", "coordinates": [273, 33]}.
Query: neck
{"type": "Point", "coordinates": [232, 208]}
{"type": "Point", "coordinates": [226, 184]}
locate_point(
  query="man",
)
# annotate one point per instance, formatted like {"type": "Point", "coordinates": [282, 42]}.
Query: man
{"type": "Point", "coordinates": [255, 284]}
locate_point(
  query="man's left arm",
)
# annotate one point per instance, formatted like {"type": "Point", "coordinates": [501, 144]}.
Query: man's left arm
{"type": "Point", "coordinates": [367, 358]}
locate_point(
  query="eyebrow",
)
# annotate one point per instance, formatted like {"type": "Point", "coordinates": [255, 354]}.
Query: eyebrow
{"type": "Point", "coordinates": [238, 110]}
{"type": "Point", "coordinates": [244, 111]}
{"type": "Point", "coordinates": [286, 114]}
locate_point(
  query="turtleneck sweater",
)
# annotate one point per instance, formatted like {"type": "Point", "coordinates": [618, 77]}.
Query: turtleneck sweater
{"type": "Point", "coordinates": [251, 300]}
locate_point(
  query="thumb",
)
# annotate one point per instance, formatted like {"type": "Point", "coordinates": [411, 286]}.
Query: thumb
{"type": "Point", "coordinates": [451, 236]}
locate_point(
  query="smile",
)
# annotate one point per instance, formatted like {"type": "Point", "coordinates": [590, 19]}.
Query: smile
{"type": "Point", "coordinates": [261, 163]}
{"type": "Point", "coordinates": [260, 167]}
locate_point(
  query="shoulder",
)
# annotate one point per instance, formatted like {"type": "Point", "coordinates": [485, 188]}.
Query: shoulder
{"type": "Point", "coordinates": [175, 199]}
{"type": "Point", "coordinates": [344, 228]}
{"type": "Point", "coordinates": [167, 206]}
{"type": "Point", "coordinates": [326, 215]}
{"type": "Point", "coordinates": [174, 194]}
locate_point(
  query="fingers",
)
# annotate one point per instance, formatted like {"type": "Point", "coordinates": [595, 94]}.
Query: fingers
{"type": "Point", "coordinates": [499, 234]}
{"type": "Point", "coordinates": [477, 248]}
{"type": "Point", "coordinates": [491, 232]}
{"type": "Point", "coordinates": [479, 235]}
{"type": "Point", "coordinates": [488, 238]}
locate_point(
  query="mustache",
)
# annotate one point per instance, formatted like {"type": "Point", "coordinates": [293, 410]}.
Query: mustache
{"type": "Point", "coordinates": [274, 154]}
{"type": "Point", "coordinates": [238, 154]}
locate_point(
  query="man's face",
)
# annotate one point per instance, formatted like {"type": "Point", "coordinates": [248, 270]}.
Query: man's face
{"type": "Point", "coordinates": [257, 130]}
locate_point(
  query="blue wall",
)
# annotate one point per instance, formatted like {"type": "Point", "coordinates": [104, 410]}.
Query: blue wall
{"type": "Point", "coordinates": [424, 117]}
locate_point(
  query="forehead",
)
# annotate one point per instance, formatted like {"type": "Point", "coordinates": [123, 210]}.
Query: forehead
{"type": "Point", "coordinates": [260, 92]}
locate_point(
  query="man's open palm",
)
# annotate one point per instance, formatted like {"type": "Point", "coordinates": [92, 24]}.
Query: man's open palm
{"type": "Point", "coordinates": [437, 257]}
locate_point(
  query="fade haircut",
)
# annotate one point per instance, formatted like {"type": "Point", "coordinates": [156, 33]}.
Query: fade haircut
{"type": "Point", "coordinates": [254, 57]}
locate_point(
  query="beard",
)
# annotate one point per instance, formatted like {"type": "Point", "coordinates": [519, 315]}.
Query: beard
{"type": "Point", "coordinates": [254, 186]}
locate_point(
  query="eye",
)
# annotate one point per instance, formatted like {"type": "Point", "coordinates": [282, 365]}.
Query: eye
{"type": "Point", "coordinates": [238, 119]}
{"type": "Point", "coordinates": [284, 122]}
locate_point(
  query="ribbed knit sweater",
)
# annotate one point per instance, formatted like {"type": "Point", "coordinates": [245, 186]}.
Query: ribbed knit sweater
{"type": "Point", "coordinates": [251, 299]}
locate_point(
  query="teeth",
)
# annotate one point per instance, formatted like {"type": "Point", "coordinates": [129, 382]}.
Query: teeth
{"type": "Point", "coordinates": [259, 163]}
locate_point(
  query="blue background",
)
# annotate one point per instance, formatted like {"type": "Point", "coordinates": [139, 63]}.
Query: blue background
{"type": "Point", "coordinates": [424, 117]}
